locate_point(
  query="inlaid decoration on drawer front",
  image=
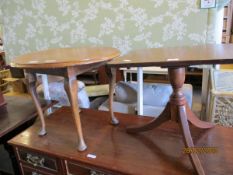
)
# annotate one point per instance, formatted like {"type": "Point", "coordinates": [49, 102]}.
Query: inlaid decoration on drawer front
{"type": "Point", "coordinates": [38, 160]}
{"type": "Point", "coordinates": [76, 169]}
{"type": "Point", "coordinates": [30, 171]}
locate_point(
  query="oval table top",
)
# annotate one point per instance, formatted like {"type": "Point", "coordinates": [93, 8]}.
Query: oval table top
{"type": "Point", "coordinates": [65, 57]}
{"type": "Point", "coordinates": [177, 56]}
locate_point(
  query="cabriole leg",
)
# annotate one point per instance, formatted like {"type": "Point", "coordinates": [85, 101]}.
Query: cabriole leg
{"type": "Point", "coordinates": [71, 88]}
{"type": "Point", "coordinates": [112, 77]}
{"type": "Point", "coordinates": [31, 85]}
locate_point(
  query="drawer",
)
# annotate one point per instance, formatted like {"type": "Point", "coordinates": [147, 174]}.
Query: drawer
{"type": "Point", "coordinates": [73, 168]}
{"type": "Point", "coordinates": [31, 171]}
{"type": "Point", "coordinates": [38, 160]}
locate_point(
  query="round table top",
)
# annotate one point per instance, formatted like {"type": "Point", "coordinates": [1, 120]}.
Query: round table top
{"type": "Point", "coordinates": [65, 57]}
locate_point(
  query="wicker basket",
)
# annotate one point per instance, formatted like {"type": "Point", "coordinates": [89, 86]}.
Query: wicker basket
{"type": "Point", "coordinates": [3, 84]}
{"type": "Point", "coordinates": [221, 97]}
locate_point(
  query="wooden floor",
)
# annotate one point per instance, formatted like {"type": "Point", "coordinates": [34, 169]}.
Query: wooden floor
{"type": "Point", "coordinates": [159, 151]}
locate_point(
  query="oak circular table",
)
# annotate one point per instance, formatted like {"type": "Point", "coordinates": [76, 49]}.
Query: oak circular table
{"type": "Point", "coordinates": [66, 62]}
{"type": "Point", "coordinates": [175, 59]}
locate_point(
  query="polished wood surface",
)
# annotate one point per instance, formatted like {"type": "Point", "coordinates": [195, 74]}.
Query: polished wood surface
{"type": "Point", "coordinates": [71, 88]}
{"type": "Point", "coordinates": [177, 56]}
{"type": "Point", "coordinates": [17, 115]}
{"type": "Point", "coordinates": [17, 111]}
{"type": "Point", "coordinates": [64, 57]}
{"type": "Point", "coordinates": [30, 81]}
{"type": "Point", "coordinates": [112, 79]}
{"type": "Point", "coordinates": [159, 151]}
{"type": "Point", "coordinates": [176, 59]}
{"type": "Point", "coordinates": [66, 62]}
{"type": "Point", "coordinates": [178, 111]}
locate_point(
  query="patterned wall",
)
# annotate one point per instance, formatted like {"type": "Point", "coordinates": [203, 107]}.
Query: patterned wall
{"type": "Point", "coordinates": [125, 24]}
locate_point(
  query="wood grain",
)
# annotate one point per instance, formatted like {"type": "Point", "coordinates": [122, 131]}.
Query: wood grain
{"type": "Point", "coordinates": [159, 150]}
{"type": "Point", "coordinates": [177, 56]}
{"type": "Point", "coordinates": [66, 62]}
{"type": "Point", "coordinates": [31, 84]}
{"type": "Point", "coordinates": [18, 110]}
{"type": "Point", "coordinates": [65, 57]}
{"type": "Point", "coordinates": [71, 88]}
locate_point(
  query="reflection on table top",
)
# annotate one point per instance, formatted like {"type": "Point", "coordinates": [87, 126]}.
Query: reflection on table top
{"type": "Point", "coordinates": [160, 150]}
{"type": "Point", "coordinates": [64, 57]}
{"type": "Point", "coordinates": [18, 110]}
{"type": "Point", "coordinates": [177, 56]}
{"type": "Point", "coordinates": [147, 70]}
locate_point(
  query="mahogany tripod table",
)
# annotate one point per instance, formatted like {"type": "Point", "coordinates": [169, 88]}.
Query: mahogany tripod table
{"type": "Point", "coordinates": [175, 59]}
{"type": "Point", "coordinates": [66, 62]}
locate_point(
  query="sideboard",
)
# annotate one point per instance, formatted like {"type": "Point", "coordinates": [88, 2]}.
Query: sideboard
{"type": "Point", "coordinates": [16, 115]}
{"type": "Point", "coordinates": [114, 151]}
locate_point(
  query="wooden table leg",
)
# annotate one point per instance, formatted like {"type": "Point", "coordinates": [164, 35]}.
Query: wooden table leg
{"type": "Point", "coordinates": [178, 103]}
{"type": "Point", "coordinates": [177, 110]}
{"type": "Point", "coordinates": [31, 84]}
{"type": "Point", "coordinates": [112, 77]}
{"type": "Point", "coordinates": [163, 117]}
{"type": "Point", "coordinates": [192, 118]}
{"type": "Point", "coordinates": [71, 88]}
{"type": "Point", "coordinates": [188, 141]}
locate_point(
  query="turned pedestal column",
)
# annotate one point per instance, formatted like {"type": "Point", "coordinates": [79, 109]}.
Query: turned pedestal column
{"type": "Point", "coordinates": [176, 110]}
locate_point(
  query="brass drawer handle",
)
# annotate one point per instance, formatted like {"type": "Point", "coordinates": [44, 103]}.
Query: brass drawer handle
{"type": "Point", "coordinates": [35, 160]}
{"type": "Point", "coordinates": [92, 172]}
{"type": "Point", "coordinates": [35, 173]}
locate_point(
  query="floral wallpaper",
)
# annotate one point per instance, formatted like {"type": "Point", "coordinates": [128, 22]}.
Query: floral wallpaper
{"type": "Point", "coordinates": [31, 25]}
